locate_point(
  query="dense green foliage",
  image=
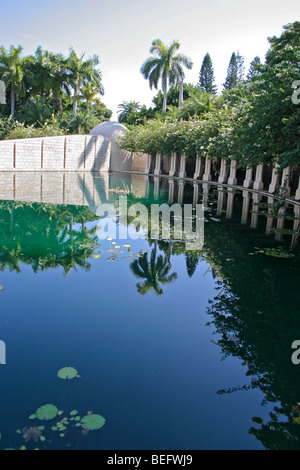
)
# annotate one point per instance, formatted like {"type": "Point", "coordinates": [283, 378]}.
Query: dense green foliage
{"type": "Point", "coordinates": [49, 94]}
{"type": "Point", "coordinates": [255, 121]}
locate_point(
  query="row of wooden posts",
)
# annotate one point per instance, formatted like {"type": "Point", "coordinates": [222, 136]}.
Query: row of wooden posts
{"type": "Point", "coordinates": [227, 174]}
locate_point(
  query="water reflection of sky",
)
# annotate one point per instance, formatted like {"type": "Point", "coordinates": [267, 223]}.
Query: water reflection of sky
{"type": "Point", "coordinates": [151, 365]}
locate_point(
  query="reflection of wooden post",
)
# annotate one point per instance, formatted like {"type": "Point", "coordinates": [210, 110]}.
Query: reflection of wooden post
{"type": "Point", "coordinates": [157, 164]}
{"type": "Point", "coordinates": [180, 191]}
{"type": "Point", "coordinates": [297, 195]}
{"type": "Point", "coordinates": [245, 209]}
{"type": "Point", "coordinates": [195, 194]}
{"type": "Point", "coordinates": [198, 164]}
{"type": "Point", "coordinates": [258, 183]}
{"type": "Point", "coordinates": [270, 219]}
{"type": "Point", "coordinates": [205, 188]}
{"type": "Point", "coordinates": [255, 210]}
{"type": "Point", "coordinates": [223, 172]}
{"type": "Point", "coordinates": [230, 201]}
{"type": "Point", "coordinates": [182, 173]}
{"type": "Point", "coordinates": [248, 178]}
{"type": "Point", "coordinates": [275, 180]}
{"type": "Point", "coordinates": [285, 181]}
{"type": "Point", "coordinates": [207, 171]}
{"type": "Point", "coordinates": [147, 186]}
{"type": "Point", "coordinates": [173, 164]}
{"type": "Point", "coordinates": [232, 177]}
{"type": "Point", "coordinates": [280, 223]}
{"type": "Point", "coordinates": [296, 227]}
{"type": "Point", "coordinates": [221, 197]}
{"type": "Point", "coordinates": [156, 187]}
{"type": "Point", "coordinates": [171, 191]}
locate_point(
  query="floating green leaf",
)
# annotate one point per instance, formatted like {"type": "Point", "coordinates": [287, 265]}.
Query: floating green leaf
{"type": "Point", "coordinates": [92, 422]}
{"type": "Point", "coordinates": [32, 416]}
{"type": "Point", "coordinates": [67, 373]}
{"type": "Point", "coordinates": [42, 438]}
{"type": "Point", "coordinates": [73, 413]}
{"type": "Point", "coordinates": [47, 412]}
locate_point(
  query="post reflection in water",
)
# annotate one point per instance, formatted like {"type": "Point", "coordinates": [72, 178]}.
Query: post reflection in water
{"type": "Point", "coordinates": [251, 248]}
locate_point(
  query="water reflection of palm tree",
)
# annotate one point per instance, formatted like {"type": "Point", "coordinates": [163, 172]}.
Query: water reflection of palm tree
{"type": "Point", "coordinates": [154, 272]}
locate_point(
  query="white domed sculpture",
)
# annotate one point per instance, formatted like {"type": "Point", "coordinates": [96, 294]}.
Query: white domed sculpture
{"type": "Point", "coordinates": [120, 160]}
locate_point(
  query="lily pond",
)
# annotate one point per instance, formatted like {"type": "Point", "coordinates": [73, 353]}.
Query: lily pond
{"type": "Point", "coordinates": [142, 343]}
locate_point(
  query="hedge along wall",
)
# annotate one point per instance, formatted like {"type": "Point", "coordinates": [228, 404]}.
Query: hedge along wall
{"type": "Point", "coordinates": [61, 153]}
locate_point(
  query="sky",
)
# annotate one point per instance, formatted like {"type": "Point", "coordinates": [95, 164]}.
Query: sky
{"type": "Point", "coordinates": [120, 32]}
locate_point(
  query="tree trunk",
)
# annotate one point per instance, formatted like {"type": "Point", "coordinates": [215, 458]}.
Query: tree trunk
{"type": "Point", "coordinates": [180, 102]}
{"type": "Point", "coordinates": [165, 95]}
{"type": "Point", "coordinates": [13, 100]}
{"type": "Point", "coordinates": [75, 100]}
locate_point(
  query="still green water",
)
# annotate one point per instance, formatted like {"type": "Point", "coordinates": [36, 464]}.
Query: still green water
{"type": "Point", "coordinates": [176, 349]}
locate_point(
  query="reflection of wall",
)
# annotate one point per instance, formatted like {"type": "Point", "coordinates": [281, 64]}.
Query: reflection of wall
{"type": "Point", "coordinates": [69, 188]}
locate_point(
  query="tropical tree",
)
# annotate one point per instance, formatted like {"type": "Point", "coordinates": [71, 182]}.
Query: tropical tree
{"type": "Point", "coordinates": [154, 272]}
{"type": "Point", "coordinates": [206, 76]}
{"type": "Point", "coordinates": [82, 71]}
{"type": "Point", "coordinates": [89, 93]}
{"type": "Point", "coordinates": [36, 111]}
{"type": "Point", "coordinates": [126, 108]}
{"type": "Point", "coordinates": [12, 72]}
{"type": "Point", "coordinates": [166, 65]}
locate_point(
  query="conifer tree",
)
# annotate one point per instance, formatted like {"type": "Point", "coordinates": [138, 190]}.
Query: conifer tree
{"type": "Point", "coordinates": [206, 76]}
{"type": "Point", "coordinates": [231, 78]}
{"type": "Point", "coordinates": [253, 70]}
{"type": "Point", "coordinates": [235, 71]}
{"type": "Point", "coordinates": [240, 67]}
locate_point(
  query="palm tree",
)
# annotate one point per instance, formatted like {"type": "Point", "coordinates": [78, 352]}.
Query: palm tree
{"type": "Point", "coordinates": [125, 108]}
{"type": "Point", "coordinates": [165, 65]}
{"type": "Point", "coordinates": [82, 71]}
{"type": "Point", "coordinates": [12, 72]}
{"type": "Point", "coordinates": [89, 93]}
{"type": "Point", "coordinates": [154, 273]}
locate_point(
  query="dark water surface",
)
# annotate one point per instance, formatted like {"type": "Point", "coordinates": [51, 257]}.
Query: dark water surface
{"type": "Point", "coordinates": [176, 349]}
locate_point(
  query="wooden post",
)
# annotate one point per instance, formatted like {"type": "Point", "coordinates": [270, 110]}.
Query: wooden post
{"type": "Point", "coordinates": [157, 164]}
{"type": "Point", "coordinates": [297, 195]}
{"type": "Point", "coordinates": [207, 171]}
{"type": "Point", "coordinates": [182, 173]}
{"type": "Point", "coordinates": [148, 164]}
{"type": "Point", "coordinates": [258, 183]}
{"type": "Point", "coordinates": [223, 172]}
{"type": "Point", "coordinates": [275, 180]}
{"type": "Point", "coordinates": [198, 164]}
{"type": "Point", "coordinates": [248, 181]}
{"type": "Point", "coordinates": [232, 177]}
{"type": "Point", "coordinates": [173, 164]}
{"type": "Point", "coordinates": [285, 181]}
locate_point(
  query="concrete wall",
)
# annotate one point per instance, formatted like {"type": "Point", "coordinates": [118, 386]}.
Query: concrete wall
{"type": "Point", "coordinates": [62, 153]}
{"type": "Point", "coordinates": [139, 162]}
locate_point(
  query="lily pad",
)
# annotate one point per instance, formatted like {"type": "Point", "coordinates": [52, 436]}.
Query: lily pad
{"type": "Point", "coordinates": [47, 412]}
{"type": "Point", "coordinates": [92, 422]}
{"type": "Point", "coordinates": [67, 373]}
